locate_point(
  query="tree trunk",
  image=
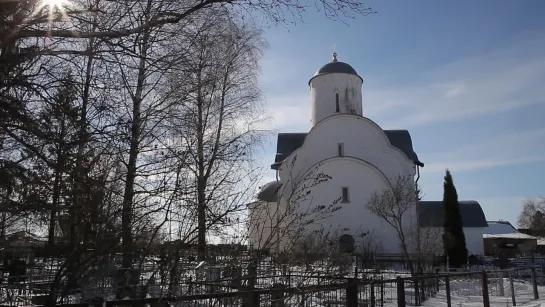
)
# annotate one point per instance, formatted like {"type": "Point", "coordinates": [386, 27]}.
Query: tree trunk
{"type": "Point", "coordinates": [136, 127]}
{"type": "Point", "coordinates": [54, 207]}
{"type": "Point", "coordinates": [57, 181]}
{"type": "Point", "coordinates": [77, 208]}
{"type": "Point", "coordinates": [201, 181]}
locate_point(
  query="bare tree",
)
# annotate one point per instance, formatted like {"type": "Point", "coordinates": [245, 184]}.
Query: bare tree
{"type": "Point", "coordinates": [216, 99]}
{"type": "Point", "coordinates": [38, 20]}
{"type": "Point", "coordinates": [396, 205]}
{"type": "Point", "coordinates": [370, 243]}
{"type": "Point", "coordinates": [294, 218]}
{"type": "Point", "coordinates": [529, 215]}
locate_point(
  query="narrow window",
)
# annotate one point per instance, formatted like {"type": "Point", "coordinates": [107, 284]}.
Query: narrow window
{"type": "Point", "coordinates": [345, 198]}
{"type": "Point", "coordinates": [340, 149]}
{"type": "Point", "coordinates": [337, 102]}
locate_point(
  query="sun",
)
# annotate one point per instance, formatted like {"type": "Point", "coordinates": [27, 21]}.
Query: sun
{"type": "Point", "coordinates": [54, 7]}
{"type": "Point", "coordinates": [53, 2]}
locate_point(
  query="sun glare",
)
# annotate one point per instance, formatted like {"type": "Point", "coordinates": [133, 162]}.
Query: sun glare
{"type": "Point", "coordinates": [53, 2]}
{"type": "Point", "coordinates": [54, 8]}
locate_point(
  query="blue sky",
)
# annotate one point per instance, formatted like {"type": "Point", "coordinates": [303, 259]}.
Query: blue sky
{"type": "Point", "coordinates": [466, 78]}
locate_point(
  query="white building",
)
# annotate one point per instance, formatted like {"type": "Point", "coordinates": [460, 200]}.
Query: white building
{"type": "Point", "coordinates": [343, 160]}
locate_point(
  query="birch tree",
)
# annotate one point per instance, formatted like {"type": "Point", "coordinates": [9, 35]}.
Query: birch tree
{"type": "Point", "coordinates": [218, 99]}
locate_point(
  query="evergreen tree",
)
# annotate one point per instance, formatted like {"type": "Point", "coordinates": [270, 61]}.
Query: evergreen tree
{"type": "Point", "coordinates": [454, 240]}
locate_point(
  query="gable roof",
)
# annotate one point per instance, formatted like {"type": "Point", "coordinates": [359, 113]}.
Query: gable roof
{"type": "Point", "coordinates": [431, 214]}
{"type": "Point", "coordinates": [500, 227]}
{"type": "Point", "coordinates": [289, 142]}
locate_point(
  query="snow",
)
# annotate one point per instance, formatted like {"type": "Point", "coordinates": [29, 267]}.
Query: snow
{"type": "Point", "coordinates": [516, 235]}
{"type": "Point", "coordinates": [524, 295]}
{"type": "Point", "coordinates": [466, 290]}
{"type": "Point", "coordinates": [538, 303]}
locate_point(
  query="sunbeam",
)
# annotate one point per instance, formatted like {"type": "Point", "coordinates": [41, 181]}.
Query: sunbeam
{"type": "Point", "coordinates": [54, 8]}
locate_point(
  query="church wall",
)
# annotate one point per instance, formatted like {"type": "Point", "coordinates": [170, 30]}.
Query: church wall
{"type": "Point", "coordinates": [362, 180]}
{"type": "Point", "coordinates": [268, 225]}
{"type": "Point", "coordinates": [322, 93]}
{"type": "Point", "coordinates": [360, 138]}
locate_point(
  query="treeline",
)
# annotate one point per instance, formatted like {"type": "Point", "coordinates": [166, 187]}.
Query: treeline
{"type": "Point", "coordinates": [126, 123]}
{"type": "Point", "coordinates": [126, 140]}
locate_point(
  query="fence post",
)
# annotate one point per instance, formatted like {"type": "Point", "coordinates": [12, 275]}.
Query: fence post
{"type": "Point", "coordinates": [534, 282]}
{"type": "Point", "coordinates": [352, 294]}
{"type": "Point", "coordinates": [250, 297]}
{"type": "Point", "coordinates": [372, 298]}
{"type": "Point", "coordinates": [512, 288]}
{"type": "Point", "coordinates": [277, 296]}
{"type": "Point", "coordinates": [400, 292]}
{"type": "Point", "coordinates": [256, 299]}
{"type": "Point", "coordinates": [486, 298]}
{"type": "Point", "coordinates": [416, 292]}
{"type": "Point", "coordinates": [437, 280]}
{"type": "Point", "coordinates": [502, 288]}
{"type": "Point", "coordinates": [382, 291]}
{"type": "Point", "coordinates": [447, 290]}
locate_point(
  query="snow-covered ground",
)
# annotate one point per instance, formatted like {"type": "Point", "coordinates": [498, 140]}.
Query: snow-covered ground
{"type": "Point", "coordinates": [466, 290]}
{"type": "Point", "coordinates": [538, 303]}
{"type": "Point", "coordinates": [523, 294]}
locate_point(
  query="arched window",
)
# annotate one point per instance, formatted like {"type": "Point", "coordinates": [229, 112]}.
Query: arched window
{"type": "Point", "coordinates": [337, 109]}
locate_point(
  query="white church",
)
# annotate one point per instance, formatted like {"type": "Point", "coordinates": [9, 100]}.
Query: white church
{"type": "Point", "coordinates": [325, 177]}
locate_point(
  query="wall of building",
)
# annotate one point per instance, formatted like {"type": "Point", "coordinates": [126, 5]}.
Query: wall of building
{"type": "Point", "coordinates": [509, 246]}
{"type": "Point", "coordinates": [316, 200]}
{"type": "Point", "coordinates": [367, 163]}
{"type": "Point", "coordinates": [322, 95]}
{"type": "Point", "coordinates": [269, 225]}
{"type": "Point", "coordinates": [474, 239]}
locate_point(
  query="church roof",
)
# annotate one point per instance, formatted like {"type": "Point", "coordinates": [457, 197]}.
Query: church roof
{"type": "Point", "coordinates": [334, 67]}
{"type": "Point", "coordinates": [289, 142]}
{"type": "Point", "coordinates": [431, 214]}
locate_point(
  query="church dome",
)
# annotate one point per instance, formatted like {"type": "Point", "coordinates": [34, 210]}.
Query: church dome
{"type": "Point", "coordinates": [335, 67]}
{"type": "Point", "coordinates": [269, 192]}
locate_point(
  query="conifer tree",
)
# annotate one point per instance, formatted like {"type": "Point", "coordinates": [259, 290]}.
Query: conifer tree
{"type": "Point", "coordinates": [454, 240]}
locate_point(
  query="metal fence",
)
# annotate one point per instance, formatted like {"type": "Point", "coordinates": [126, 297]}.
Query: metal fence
{"type": "Point", "coordinates": [369, 280]}
{"type": "Point", "coordinates": [485, 287]}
